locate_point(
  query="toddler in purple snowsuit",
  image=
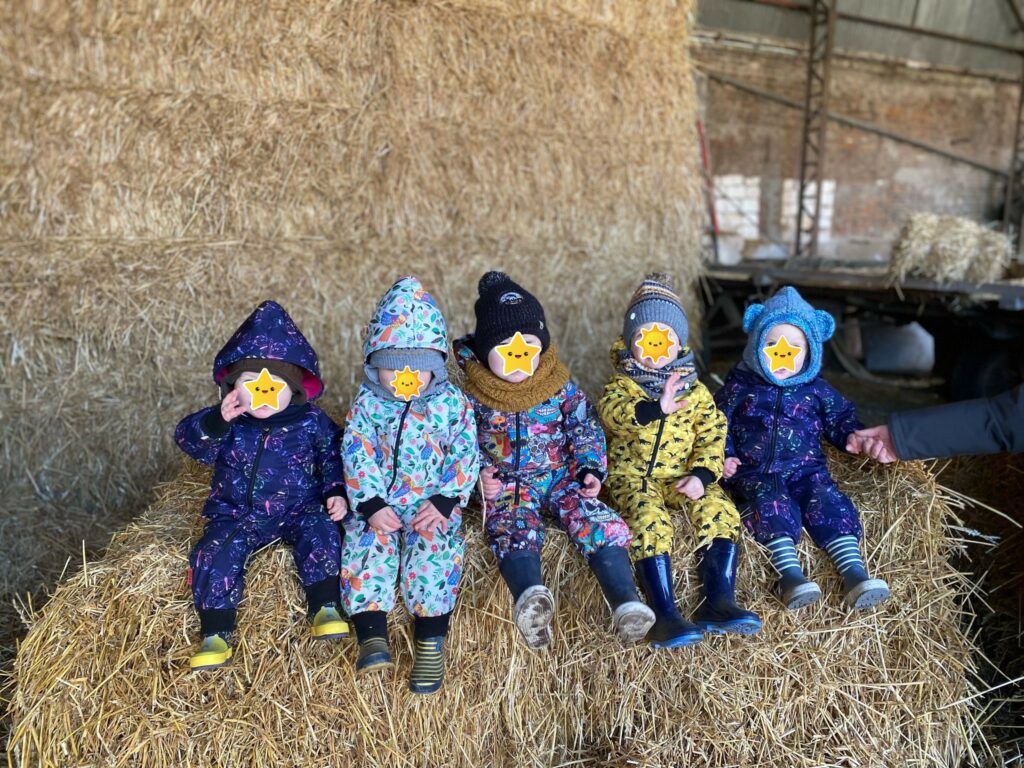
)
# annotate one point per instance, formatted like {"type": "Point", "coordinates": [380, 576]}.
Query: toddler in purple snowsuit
{"type": "Point", "coordinates": [778, 409]}
{"type": "Point", "coordinates": [277, 475]}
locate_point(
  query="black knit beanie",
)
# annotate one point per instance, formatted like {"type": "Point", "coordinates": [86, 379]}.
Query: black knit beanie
{"type": "Point", "coordinates": [503, 308]}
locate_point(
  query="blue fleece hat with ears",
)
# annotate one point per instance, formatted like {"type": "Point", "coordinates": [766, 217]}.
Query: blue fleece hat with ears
{"type": "Point", "coordinates": [786, 306]}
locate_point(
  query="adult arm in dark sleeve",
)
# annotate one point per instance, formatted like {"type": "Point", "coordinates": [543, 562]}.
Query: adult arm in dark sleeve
{"type": "Point", "coordinates": [987, 425]}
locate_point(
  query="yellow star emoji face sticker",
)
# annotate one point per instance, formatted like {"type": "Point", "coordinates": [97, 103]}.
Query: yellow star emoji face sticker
{"type": "Point", "coordinates": [265, 390]}
{"type": "Point", "coordinates": [781, 355]}
{"type": "Point", "coordinates": [655, 343]}
{"type": "Point", "coordinates": [518, 355]}
{"type": "Point", "coordinates": [406, 384]}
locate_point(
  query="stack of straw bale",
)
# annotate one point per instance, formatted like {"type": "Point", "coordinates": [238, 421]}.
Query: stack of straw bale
{"type": "Point", "coordinates": [168, 164]}
{"type": "Point", "coordinates": [949, 248]}
{"type": "Point", "coordinates": [102, 679]}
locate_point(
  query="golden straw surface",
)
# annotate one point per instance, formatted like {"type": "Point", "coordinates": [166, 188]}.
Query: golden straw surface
{"type": "Point", "coordinates": [102, 680]}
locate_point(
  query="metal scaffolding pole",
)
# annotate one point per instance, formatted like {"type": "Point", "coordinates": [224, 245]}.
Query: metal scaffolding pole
{"type": "Point", "coordinates": [1013, 207]}
{"type": "Point", "coordinates": [789, 5]}
{"type": "Point", "coordinates": [812, 149]}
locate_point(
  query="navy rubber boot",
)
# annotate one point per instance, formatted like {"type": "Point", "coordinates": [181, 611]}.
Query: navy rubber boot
{"type": "Point", "coordinates": [718, 612]}
{"type": "Point", "coordinates": [670, 630]}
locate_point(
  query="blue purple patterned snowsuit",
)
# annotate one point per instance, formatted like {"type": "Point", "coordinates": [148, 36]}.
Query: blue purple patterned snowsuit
{"type": "Point", "coordinates": [271, 477]}
{"type": "Point", "coordinates": [776, 426]}
{"type": "Point", "coordinates": [783, 483]}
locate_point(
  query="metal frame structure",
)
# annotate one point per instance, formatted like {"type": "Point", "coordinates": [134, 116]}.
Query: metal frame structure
{"type": "Point", "coordinates": [823, 18]}
{"type": "Point", "coordinates": [1013, 207]}
{"type": "Point", "coordinates": [815, 129]}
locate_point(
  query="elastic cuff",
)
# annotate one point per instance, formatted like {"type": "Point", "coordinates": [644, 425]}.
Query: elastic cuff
{"type": "Point", "coordinates": [338, 490]}
{"type": "Point", "coordinates": [897, 436]}
{"type": "Point", "coordinates": [370, 507]}
{"type": "Point", "coordinates": [370, 624]}
{"type": "Point", "coordinates": [589, 471]}
{"type": "Point", "coordinates": [321, 593]}
{"type": "Point", "coordinates": [705, 475]}
{"type": "Point", "coordinates": [646, 411]}
{"type": "Point", "coordinates": [216, 620]}
{"type": "Point", "coordinates": [431, 626]}
{"type": "Point", "coordinates": [213, 424]}
{"type": "Point", "coordinates": [444, 504]}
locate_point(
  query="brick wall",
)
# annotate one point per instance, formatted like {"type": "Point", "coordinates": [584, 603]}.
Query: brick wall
{"type": "Point", "coordinates": [875, 183]}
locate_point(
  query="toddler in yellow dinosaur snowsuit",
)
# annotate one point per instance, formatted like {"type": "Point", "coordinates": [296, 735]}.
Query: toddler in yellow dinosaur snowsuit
{"type": "Point", "coordinates": [666, 443]}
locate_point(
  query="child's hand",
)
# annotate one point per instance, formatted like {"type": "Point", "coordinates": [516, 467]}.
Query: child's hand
{"type": "Point", "coordinates": [731, 465]}
{"type": "Point", "coordinates": [428, 519]}
{"type": "Point", "coordinates": [875, 442]}
{"type": "Point", "coordinates": [385, 521]}
{"type": "Point", "coordinates": [590, 486]}
{"type": "Point", "coordinates": [337, 508]}
{"type": "Point", "coordinates": [691, 487]}
{"type": "Point", "coordinates": [492, 485]}
{"type": "Point", "coordinates": [231, 407]}
{"type": "Point", "coordinates": [668, 402]}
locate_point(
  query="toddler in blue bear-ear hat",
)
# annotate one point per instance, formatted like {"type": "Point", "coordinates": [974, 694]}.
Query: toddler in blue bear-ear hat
{"type": "Point", "coordinates": [778, 409]}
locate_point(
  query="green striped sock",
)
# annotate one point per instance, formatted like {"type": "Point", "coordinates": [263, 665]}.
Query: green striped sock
{"type": "Point", "coordinates": [428, 666]}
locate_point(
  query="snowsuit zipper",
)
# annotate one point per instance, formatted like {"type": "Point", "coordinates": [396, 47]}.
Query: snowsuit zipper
{"type": "Point", "coordinates": [775, 427]}
{"type": "Point", "coordinates": [398, 445]}
{"type": "Point", "coordinates": [264, 434]}
{"type": "Point", "coordinates": [515, 468]}
{"type": "Point", "coordinates": [256, 465]}
{"type": "Point", "coordinates": [654, 451]}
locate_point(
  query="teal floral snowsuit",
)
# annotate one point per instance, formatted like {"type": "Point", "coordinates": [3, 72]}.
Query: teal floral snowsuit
{"type": "Point", "coordinates": [400, 454]}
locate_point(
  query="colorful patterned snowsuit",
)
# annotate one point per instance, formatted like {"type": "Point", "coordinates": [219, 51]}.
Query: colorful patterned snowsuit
{"type": "Point", "coordinates": [647, 460]}
{"type": "Point", "coordinates": [783, 483]}
{"type": "Point", "coordinates": [541, 454]}
{"type": "Point", "coordinates": [270, 478]}
{"type": "Point", "coordinates": [401, 454]}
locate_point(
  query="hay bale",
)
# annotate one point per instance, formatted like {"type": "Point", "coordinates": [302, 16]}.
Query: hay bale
{"type": "Point", "coordinates": [168, 165]}
{"type": "Point", "coordinates": [949, 248]}
{"type": "Point", "coordinates": [101, 679]}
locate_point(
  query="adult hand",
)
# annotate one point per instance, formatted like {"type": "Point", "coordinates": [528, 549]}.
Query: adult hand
{"type": "Point", "coordinates": [875, 442]}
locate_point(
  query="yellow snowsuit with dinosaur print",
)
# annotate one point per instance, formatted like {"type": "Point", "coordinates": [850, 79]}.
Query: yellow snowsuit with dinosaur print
{"type": "Point", "coordinates": [645, 461]}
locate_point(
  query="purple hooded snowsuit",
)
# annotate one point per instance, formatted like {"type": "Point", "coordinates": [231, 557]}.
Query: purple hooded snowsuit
{"type": "Point", "coordinates": [271, 478]}
{"type": "Point", "coordinates": [775, 430]}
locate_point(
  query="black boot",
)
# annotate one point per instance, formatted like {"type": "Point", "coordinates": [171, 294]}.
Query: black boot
{"type": "Point", "coordinates": [534, 605]}
{"type": "Point", "coordinates": [718, 612]}
{"type": "Point", "coordinates": [670, 630]}
{"type": "Point", "coordinates": [630, 617]}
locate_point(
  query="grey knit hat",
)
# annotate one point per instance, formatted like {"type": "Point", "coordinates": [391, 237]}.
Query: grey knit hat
{"type": "Point", "coordinates": [655, 301]}
{"type": "Point", "coordinates": [396, 359]}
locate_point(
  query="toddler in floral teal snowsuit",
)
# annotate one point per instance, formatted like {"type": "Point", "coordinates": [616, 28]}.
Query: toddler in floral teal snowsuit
{"type": "Point", "coordinates": [410, 457]}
